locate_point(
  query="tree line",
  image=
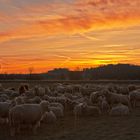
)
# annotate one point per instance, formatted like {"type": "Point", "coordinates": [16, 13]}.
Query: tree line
{"type": "Point", "coordinates": [106, 72]}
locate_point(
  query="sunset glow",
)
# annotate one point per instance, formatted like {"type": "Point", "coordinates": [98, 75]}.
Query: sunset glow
{"type": "Point", "coordinates": [47, 34]}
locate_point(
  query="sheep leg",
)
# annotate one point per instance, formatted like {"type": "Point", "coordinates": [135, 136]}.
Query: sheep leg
{"type": "Point", "coordinates": [12, 131]}
{"type": "Point", "coordinates": [35, 128]}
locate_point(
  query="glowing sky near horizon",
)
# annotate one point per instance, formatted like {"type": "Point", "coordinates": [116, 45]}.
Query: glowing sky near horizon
{"type": "Point", "coordinates": [46, 34]}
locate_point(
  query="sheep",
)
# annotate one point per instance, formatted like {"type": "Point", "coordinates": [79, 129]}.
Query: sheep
{"type": "Point", "coordinates": [91, 110]}
{"type": "Point", "coordinates": [3, 98]}
{"type": "Point", "coordinates": [55, 104]}
{"type": "Point", "coordinates": [4, 110]}
{"type": "Point", "coordinates": [19, 100]}
{"type": "Point", "coordinates": [39, 91]}
{"type": "Point", "coordinates": [94, 97]}
{"type": "Point", "coordinates": [57, 111]}
{"type": "Point", "coordinates": [69, 88]}
{"type": "Point", "coordinates": [30, 93]}
{"type": "Point", "coordinates": [114, 98]}
{"type": "Point", "coordinates": [68, 95]}
{"type": "Point", "coordinates": [123, 90]}
{"type": "Point", "coordinates": [14, 94]}
{"type": "Point", "coordinates": [120, 110]}
{"type": "Point", "coordinates": [35, 100]}
{"type": "Point", "coordinates": [47, 91]}
{"type": "Point", "coordinates": [60, 88]}
{"type": "Point", "coordinates": [61, 99]}
{"type": "Point", "coordinates": [112, 88]}
{"type": "Point", "coordinates": [78, 110]}
{"type": "Point", "coordinates": [131, 88]}
{"type": "Point", "coordinates": [77, 88]}
{"type": "Point", "coordinates": [27, 114]}
{"type": "Point", "coordinates": [134, 97]}
{"type": "Point", "coordinates": [103, 104]}
{"type": "Point", "coordinates": [49, 117]}
{"type": "Point", "coordinates": [7, 92]}
{"type": "Point", "coordinates": [1, 88]}
{"type": "Point", "coordinates": [70, 104]}
{"type": "Point", "coordinates": [83, 109]}
{"type": "Point", "coordinates": [49, 98]}
{"type": "Point", "coordinates": [22, 89]}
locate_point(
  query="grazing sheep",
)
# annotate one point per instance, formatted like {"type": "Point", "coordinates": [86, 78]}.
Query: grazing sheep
{"type": "Point", "coordinates": [35, 100]}
{"type": "Point", "coordinates": [51, 99]}
{"type": "Point", "coordinates": [57, 111]}
{"type": "Point", "coordinates": [131, 88]}
{"type": "Point", "coordinates": [39, 91]}
{"type": "Point", "coordinates": [27, 114]}
{"type": "Point", "coordinates": [91, 110]}
{"type": "Point", "coordinates": [70, 104]}
{"type": "Point", "coordinates": [123, 90]}
{"type": "Point", "coordinates": [94, 97]}
{"type": "Point", "coordinates": [78, 110]}
{"type": "Point", "coordinates": [114, 98]}
{"type": "Point", "coordinates": [19, 100]}
{"type": "Point", "coordinates": [22, 89]}
{"type": "Point", "coordinates": [30, 93]}
{"type": "Point", "coordinates": [4, 110]}
{"type": "Point", "coordinates": [103, 104]}
{"type": "Point", "coordinates": [56, 104]}
{"type": "Point", "coordinates": [60, 88]}
{"type": "Point", "coordinates": [69, 89]}
{"type": "Point", "coordinates": [68, 95]}
{"type": "Point", "coordinates": [49, 117]}
{"type": "Point", "coordinates": [120, 110]}
{"type": "Point", "coordinates": [134, 97]}
{"type": "Point", "coordinates": [14, 94]}
{"type": "Point", "coordinates": [1, 88]}
{"type": "Point", "coordinates": [3, 98]}
{"type": "Point", "coordinates": [47, 91]}
{"type": "Point", "coordinates": [83, 109]}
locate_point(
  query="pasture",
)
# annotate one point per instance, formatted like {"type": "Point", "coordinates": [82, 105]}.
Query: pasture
{"type": "Point", "coordinates": [103, 127]}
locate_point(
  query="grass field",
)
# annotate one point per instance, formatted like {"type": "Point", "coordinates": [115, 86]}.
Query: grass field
{"type": "Point", "coordinates": [101, 128]}
{"type": "Point", "coordinates": [90, 128]}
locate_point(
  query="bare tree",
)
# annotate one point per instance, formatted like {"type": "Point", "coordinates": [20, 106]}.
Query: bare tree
{"type": "Point", "coordinates": [30, 70]}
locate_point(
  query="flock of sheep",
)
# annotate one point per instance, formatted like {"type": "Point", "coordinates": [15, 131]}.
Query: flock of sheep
{"type": "Point", "coordinates": [27, 107]}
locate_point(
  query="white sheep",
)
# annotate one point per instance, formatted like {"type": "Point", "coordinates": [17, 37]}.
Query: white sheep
{"type": "Point", "coordinates": [49, 117]}
{"type": "Point", "coordinates": [83, 109]}
{"type": "Point", "coordinates": [4, 97]}
{"type": "Point", "coordinates": [114, 98]}
{"type": "Point", "coordinates": [1, 87]}
{"type": "Point", "coordinates": [58, 111]}
{"type": "Point", "coordinates": [4, 110]}
{"type": "Point", "coordinates": [39, 91]}
{"type": "Point", "coordinates": [19, 100]}
{"type": "Point", "coordinates": [134, 97]}
{"type": "Point", "coordinates": [120, 110]}
{"type": "Point", "coordinates": [103, 104]}
{"type": "Point", "coordinates": [56, 104]}
{"type": "Point", "coordinates": [27, 114]}
{"type": "Point", "coordinates": [34, 100]}
{"type": "Point", "coordinates": [51, 99]}
{"type": "Point", "coordinates": [91, 110]}
{"type": "Point", "coordinates": [70, 104]}
{"type": "Point", "coordinates": [94, 97]}
{"type": "Point", "coordinates": [78, 110]}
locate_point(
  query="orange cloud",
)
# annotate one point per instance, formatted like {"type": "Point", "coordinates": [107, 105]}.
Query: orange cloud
{"type": "Point", "coordinates": [107, 14]}
{"type": "Point", "coordinates": [81, 33]}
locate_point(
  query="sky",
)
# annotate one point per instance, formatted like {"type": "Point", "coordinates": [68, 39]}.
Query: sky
{"type": "Point", "coordinates": [47, 34]}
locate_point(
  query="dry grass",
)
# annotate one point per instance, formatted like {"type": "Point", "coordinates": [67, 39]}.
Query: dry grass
{"type": "Point", "coordinates": [101, 128]}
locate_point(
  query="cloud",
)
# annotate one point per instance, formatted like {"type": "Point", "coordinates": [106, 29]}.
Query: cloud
{"type": "Point", "coordinates": [70, 33]}
{"type": "Point", "coordinates": [86, 15]}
